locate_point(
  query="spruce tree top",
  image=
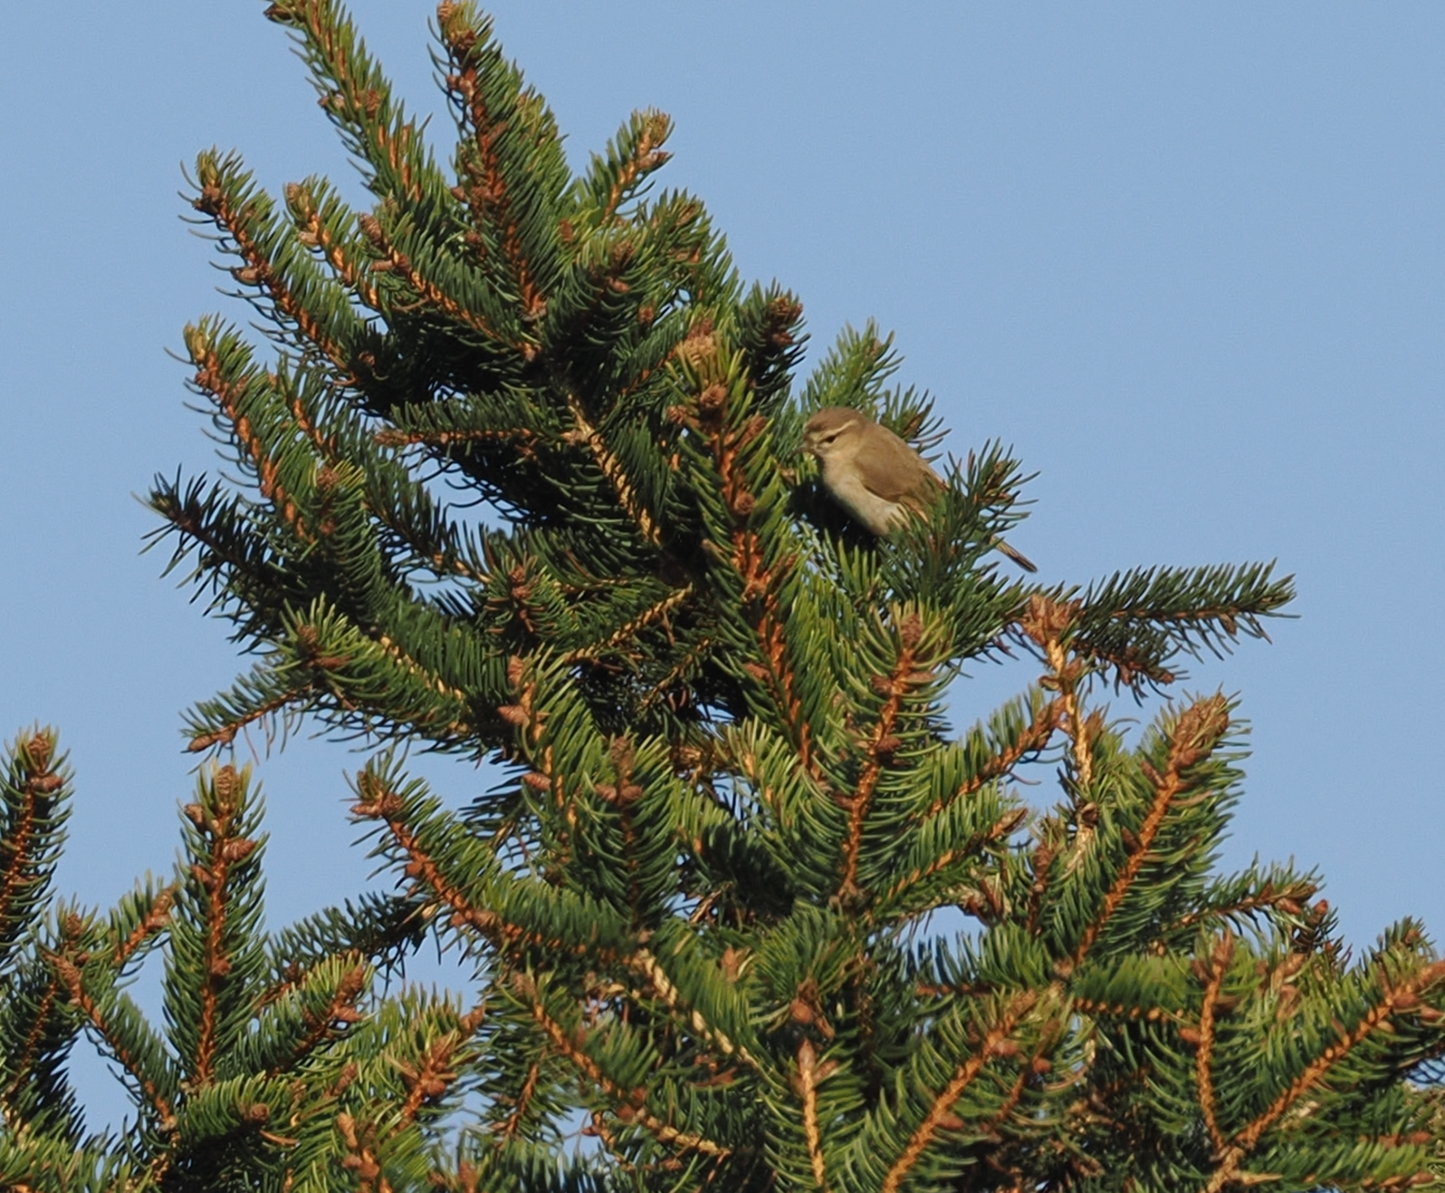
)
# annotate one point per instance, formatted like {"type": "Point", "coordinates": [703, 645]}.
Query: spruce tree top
{"type": "Point", "coordinates": [716, 903]}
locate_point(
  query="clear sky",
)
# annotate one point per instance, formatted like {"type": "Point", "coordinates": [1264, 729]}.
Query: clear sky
{"type": "Point", "coordinates": [1187, 258]}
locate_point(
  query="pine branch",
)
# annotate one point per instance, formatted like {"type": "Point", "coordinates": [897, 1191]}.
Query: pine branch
{"type": "Point", "coordinates": [1017, 731]}
{"type": "Point", "coordinates": [629, 1105]}
{"type": "Point", "coordinates": [1192, 736]}
{"type": "Point", "coordinates": [509, 157]}
{"type": "Point", "coordinates": [120, 1029]}
{"type": "Point", "coordinates": [357, 98]}
{"type": "Point", "coordinates": [34, 806]}
{"type": "Point", "coordinates": [908, 670]}
{"type": "Point", "coordinates": [750, 566]}
{"type": "Point", "coordinates": [939, 1116]}
{"type": "Point", "coordinates": [1204, 1047]}
{"type": "Point", "coordinates": [511, 913]}
{"type": "Point", "coordinates": [214, 947]}
{"type": "Point", "coordinates": [1135, 623]}
{"type": "Point", "coordinates": [303, 307]}
{"type": "Point", "coordinates": [618, 176]}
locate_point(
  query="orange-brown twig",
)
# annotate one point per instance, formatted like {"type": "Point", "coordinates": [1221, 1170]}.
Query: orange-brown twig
{"type": "Point", "coordinates": [1197, 730]}
{"type": "Point", "coordinates": [941, 1111]}
{"type": "Point", "coordinates": [629, 1105]}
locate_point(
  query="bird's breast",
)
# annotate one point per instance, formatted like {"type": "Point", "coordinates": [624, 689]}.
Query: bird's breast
{"type": "Point", "coordinates": [877, 513]}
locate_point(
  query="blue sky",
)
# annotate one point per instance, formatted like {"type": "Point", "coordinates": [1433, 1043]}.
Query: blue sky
{"type": "Point", "coordinates": [1187, 259]}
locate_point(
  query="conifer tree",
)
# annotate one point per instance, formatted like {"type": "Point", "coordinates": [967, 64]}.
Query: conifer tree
{"type": "Point", "coordinates": [746, 910]}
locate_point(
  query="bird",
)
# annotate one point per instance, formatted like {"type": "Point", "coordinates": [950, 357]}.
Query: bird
{"type": "Point", "coordinates": [875, 475]}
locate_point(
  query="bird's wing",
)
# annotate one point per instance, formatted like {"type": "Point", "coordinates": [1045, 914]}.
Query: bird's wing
{"type": "Point", "coordinates": [895, 472]}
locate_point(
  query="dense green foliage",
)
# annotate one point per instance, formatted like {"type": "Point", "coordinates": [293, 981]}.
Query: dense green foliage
{"type": "Point", "coordinates": [517, 476]}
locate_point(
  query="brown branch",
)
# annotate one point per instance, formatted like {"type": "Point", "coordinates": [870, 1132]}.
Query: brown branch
{"type": "Point", "coordinates": [355, 102]}
{"type": "Point", "coordinates": [225, 852]}
{"type": "Point", "coordinates": [1077, 726]}
{"type": "Point", "coordinates": [225, 735]}
{"type": "Point", "coordinates": [940, 1113]}
{"type": "Point", "coordinates": [423, 870]}
{"type": "Point", "coordinates": [393, 260]}
{"type": "Point", "coordinates": [1117, 1010]}
{"type": "Point", "coordinates": [1041, 864]}
{"type": "Point", "coordinates": [1031, 740]}
{"type": "Point", "coordinates": [905, 676]}
{"type": "Point", "coordinates": [1036, 1064]}
{"type": "Point", "coordinates": [1394, 1000]}
{"type": "Point", "coordinates": [259, 270]}
{"type": "Point", "coordinates": [513, 1121]}
{"type": "Point", "coordinates": [360, 1158]}
{"type": "Point", "coordinates": [41, 782]}
{"type": "Point", "coordinates": [1046, 623]}
{"type": "Point", "coordinates": [653, 614]}
{"type": "Point", "coordinates": [1204, 1050]}
{"type": "Point", "coordinates": [488, 194]}
{"type": "Point", "coordinates": [612, 469]}
{"type": "Point", "coordinates": [644, 963]}
{"type": "Point", "coordinates": [354, 275]}
{"type": "Point", "coordinates": [686, 663]}
{"type": "Point", "coordinates": [69, 974]}
{"type": "Point", "coordinates": [760, 581]}
{"type": "Point", "coordinates": [154, 920]}
{"type": "Point", "coordinates": [645, 159]}
{"type": "Point", "coordinates": [530, 722]}
{"type": "Point", "coordinates": [394, 145]}
{"type": "Point", "coordinates": [1289, 900]}
{"type": "Point", "coordinates": [400, 437]}
{"type": "Point", "coordinates": [622, 795]}
{"type": "Point", "coordinates": [425, 1082]}
{"type": "Point", "coordinates": [1130, 664]}
{"type": "Point", "coordinates": [23, 1060]}
{"type": "Point", "coordinates": [1195, 733]}
{"type": "Point", "coordinates": [630, 1105]}
{"type": "Point", "coordinates": [72, 927]}
{"type": "Point", "coordinates": [952, 989]}
{"type": "Point", "coordinates": [426, 676]}
{"type": "Point", "coordinates": [997, 831]}
{"type": "Point", "coordinates": [211, 378]}
{"type": "Point", "coordinates": [319, 667]}
{"type": "Point", "coordinates": [434, 1076]}
{"type": "Point", "coordinates": [1229, 615]}
{"type": "Point", "coordinates": [810, 1075]}
{"type": "Point", "coordinates": [322, 1027]}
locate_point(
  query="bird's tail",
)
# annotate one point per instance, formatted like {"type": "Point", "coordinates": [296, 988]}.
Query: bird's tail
{"type": "Point", "coordinates": [1022, 560]}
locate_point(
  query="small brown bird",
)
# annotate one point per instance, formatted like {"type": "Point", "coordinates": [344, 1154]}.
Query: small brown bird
{"type": "Point", "coordinates": [873, 474]}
